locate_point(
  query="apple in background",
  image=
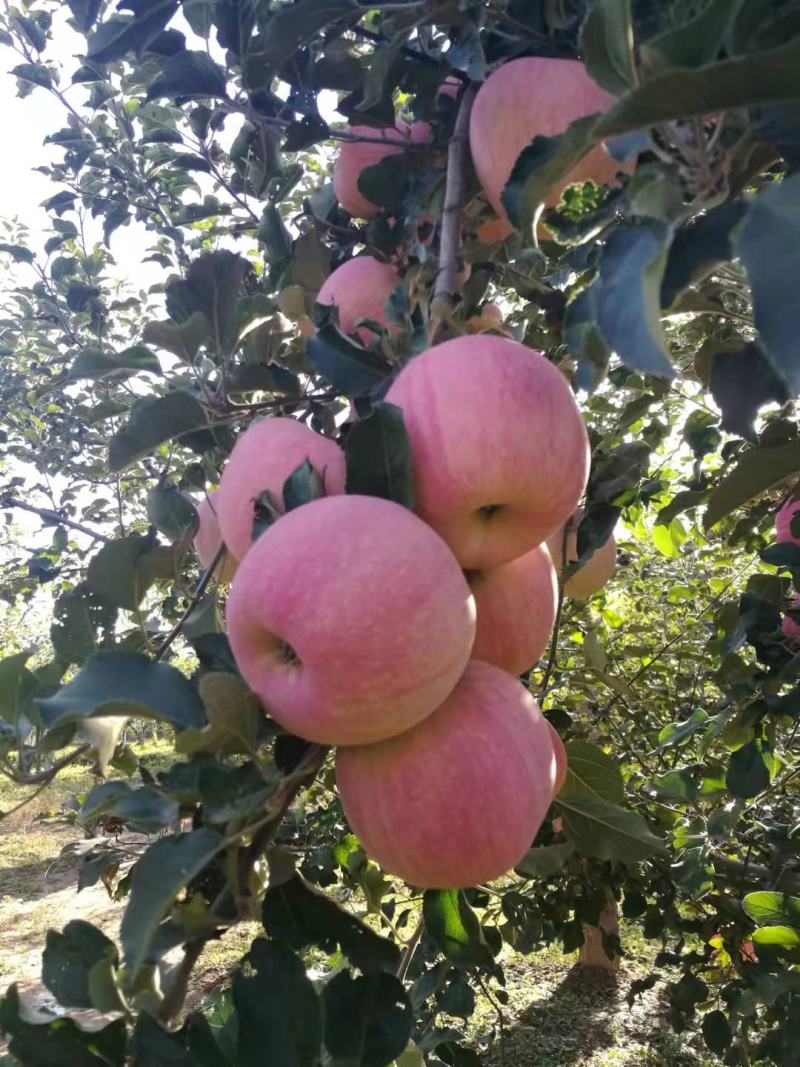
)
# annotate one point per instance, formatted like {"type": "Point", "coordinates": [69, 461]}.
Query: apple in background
{"type": "Point", "coordinates": [355, 156]}
{"type": "Point", "coordinates": [594, 573]}
{"type": "Point", "coordinates": [263, 458]}
{"type": "Point", "coordinates": [783, 521]}
{"type": "Point", "coordinates": [791, 629]}
{"type": "Point", "coordinates": [499, 448]}
{"type": "Point", "coordinates": [521, 100]}
{"type": "Point", "coordinates": [360, 289]}
{"type": "Point", "coordinates": [457, 800]}
{"type": "Point", "coordinates": [516, 604]}
{"type": "Point", "coordinates": [208, 539]}
{"type": "Point", "coordinates": [561, 757]}
{"type": "Point", "coordinates": [351, 619]}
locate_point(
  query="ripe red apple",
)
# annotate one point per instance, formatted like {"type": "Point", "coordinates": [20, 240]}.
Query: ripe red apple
{"type": "Point", "coordinates": [457, 800]}
{"type": "Point", "coordinates": [208, 539]}
{"type": "Point", "coordinates": [351, 619]}
{"type": "Point", "coordinates": [360, 289]}
{"type": "Point", "coordinates": [521, 100]}
{"type": "Point", "coordinates": [783, 521]}
{"type": "Point", "coordinates": [263, 458]}
{"type": "Point", "coordinates": [355, 156]}
{"type": "Point", "coordinates": [499, 449]}
{"type": "Point", "coordinates": [594, 573]}
{"type": "Point", "coordinates": [560, 755]}
{"type": "Point", "coordinates": [791, 629]}
{"type": "Point", "coordinates": [516, 604]}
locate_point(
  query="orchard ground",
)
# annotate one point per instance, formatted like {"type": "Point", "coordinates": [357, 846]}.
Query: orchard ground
{"type": "Point", "coordinates": [557, 1015]}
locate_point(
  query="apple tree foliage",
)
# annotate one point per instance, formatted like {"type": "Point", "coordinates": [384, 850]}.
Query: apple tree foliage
{"type": "Point", "coordinates": [672, 302]}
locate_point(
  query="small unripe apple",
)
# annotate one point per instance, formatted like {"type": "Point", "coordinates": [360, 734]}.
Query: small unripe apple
{"type": "Point", "coordinates": [592, 575]}
{"type": "Point", "coordinates": [356, 156]}
{"type": "Point", "coordinates": [561, 757]}
{"type": "Point", "coordinates": [457, 800]}
{"type": "Point", "coordinates": [359, 289]}
{"type": "Point", "coordinates": [262, 459]}
{"type": "Point", "coordinates": [499, 448]}
{"type": "Point", "coordinates": [351, 619]}
{"type": "Point", "coordinates": [208, 539]}
{"type": "Point", "coordinates": [516, 604]}
{"type": "Point", "coordinates": [526, 98]}
{"type": "Point", "coordinates": [783, 521]}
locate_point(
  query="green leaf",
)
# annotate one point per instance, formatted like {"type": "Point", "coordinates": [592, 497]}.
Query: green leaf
{"type": "Point", "coordinates": [122, 34]}
{"type": "Point", "coordinates": [85, 12]}
{"type": "Point", "coordinates": [353, 370]}
{"type": "Point", "coordinates": [72, 629]}
{"type": "Point", "coordinates": [368, 1020]}
{"type": "Point", "coordinates": [292, 26]}
{"type": "Point", "coordinates": [773, 909]}
{"type": "Point", "coordinates": [60, 1042]}
{"type": "Point", "coordinates": [771, 76]}
{"type": "Point", "coordinates": [166, 868]}
{"type": "Point", "coordinates": [298, 915]}
{"type": "Point", "coordinates": [769, 246]}
{"type": "Point", "coordinates": [544, 861]}
{"type": "Point", "coordinates": [591, 772]}
{"type": "Point", "coordinates": [302, 486]}
{"type": "Point", "coordinates": [379, 456]}
{"type": "Point", "coordinates": [453, 927]}
{"type": "Point", "coordinates": [122, 571]}
{"type": "Point", "coordinates": [171, 512]}
{"type": "Point", "coordinates": [279, 1013]}
{"type": "Point", "coordinates": [35, 73]}
{"type": "Point", "coordinates": [741, 383]}
{"type": "Point", "coordinates": [211, 286]}
{"type": "Point", "coordinates": [124, 683]}
{"type": "Point", "coordinates": [717, 1032]}
{"type": "Point", "coordinates": [234, 715]}
{"type": "Point", "coordinates": [189, 76]}
{"type": "Point", "coordinates": [748, 774]}
{"type": "Point", "coordinates": [786, 937]}
{"type": "Point", "coordinates": [606, 831]}
{"type": "Point", "coordinates": [144, 810]}
{"type": "Point", "coordinates": [68, 959]}
{"type": "Point", "coordinates": [182, 339]}
{"type": "Point", "coordinates": [95, 363]}
{"type": "Point", "coordinates": [13, 675]}
{"type": "Point", "coordinates": [607, 45]}
{"type": "Point", "coordinates": [19, 253]}
{"type": "Point", "coordinates": [758, 469]}
{"type": "Point", "coordinates": [151, 423]}
{"type": "Point", "coordinates": [695, 42]}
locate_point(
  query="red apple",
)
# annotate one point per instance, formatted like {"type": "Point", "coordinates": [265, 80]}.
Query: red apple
{"type": "Point", "coordinates": [516, 605]}
{"type": "Point", "coordinates": [263, 458]}
{"type": "Point", "coordinates": [351, 619]}
{"type": "Point", "coordinates": [791, 629]}
{"type": "Point", "coordinates": [457, 800]}
{"type": "Point", "coordinates": [356, 156]}
{"type": "Point", "coordinates": [592, 575]}
{"type": "Point", "coordinates": [783, 521]}
{"type": "Point", "coordinates": [521, 100]}
{"type": "Point", "coordinates": [561, 757]}
{"type": "Point", "coordinates": [208, 539]}
{"type": "Point", "coordinates": [499, 449]}
{"type": "Point", "coordinates": [360, 289]}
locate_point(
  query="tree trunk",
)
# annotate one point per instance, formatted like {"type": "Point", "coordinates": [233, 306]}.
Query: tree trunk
{"type": "Point", "coordinates": [593, 953]}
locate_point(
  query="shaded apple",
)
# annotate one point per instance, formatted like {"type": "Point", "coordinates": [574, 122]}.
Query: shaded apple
{"type": "Point", "coordinates": [457, 800]}
{"type": "Point", "coordinates": [208, 539]}
{"type": "Point", "coordinates": [499, 448]}
{"type": "Point", "coordinates": [592, 575]}
{"type": "Point", "coordinates": [516, 604]}
{"type": "Point", "coordinates": [351, 619]}
{"type": "Point", "coordinates": [356, 156]}
{"type": "Point", "coordinates": [783, 521]}
{"type": "Point", "coordinates": [359, 289]}
{"type": "Point", "coordinates": [262, 459]}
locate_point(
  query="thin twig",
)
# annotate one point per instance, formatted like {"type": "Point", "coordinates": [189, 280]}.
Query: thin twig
{"type": "Point", "coordinates": [51, 516]}
{"type": "Point", "coordinates": [409, 950]}
{"type": "Point", "coordinates": [551, 659]}
{"type": "Point", "coordinates": [45, 777]}
{"type": "Point", "coordinates": [445, 288]}
{"type": "Point", "coordinates": [201, 588]}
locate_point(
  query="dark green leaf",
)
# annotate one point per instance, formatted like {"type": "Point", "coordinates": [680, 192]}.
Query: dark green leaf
{"type": "Point", "coordinates": [607, 45]}
{"type": "Point", "coordinates": [544, 861]}
{"type": "Point", "coordinates": [605, 831]}
{"type": "Point", "coordinates": [211, 286]}
{"type": "Point", "coordinates": [695, 42]}
{"type": "Point", "coordinates": [14, 677]}
{"type": "Point", "coordinates": [35, 73]}
{"type": "Point", "coordinates": [189, 76]}
{"type": "Point", "coordinates": [298, 915]}
{"type": "Point", "coordinates": [145, 810]}
{"type": "Point", "coordinates": [773, 909]}
{"type": "Point", "coordinates": [171, 512]}
{"type": "Point", "coordinates": [122, 571]}
{"type": "Point", "coordinates": [72, 629]}
{"type": "Point", "coordinates": [349, 368]}
{"type": "Point", "coordinates": [279, 1013]}
{"type": "Point", "coordinates": [758, 469]}
{"type": "Point", "coordinates": [368, 1020]}
{"type": "Point", "coordinates": [454, 928]}
{"type": "Point", "coordinates": [124, 683]}
{"type": "Point", "coordinates": [60, 1042]}
{"type": "Point", "coordinates": [302, 486]}
{"type": "Point", "coordinates": [151, 423]}
{"type": "Point", "coordinates": [68, 959]}
{"type": "Point", "coordinates": [95, 363]}
{"type": "Point", "coordinates": [591, 772]}
{"type": "Point", "coordinates": [85, 12]}
{"type": "Point", "coordinates": [122, 34]}
{"type": "Point", "coordinates": [742, 383]}
{"type": "Point", "coordinates": [379, 456]}
{"type": "Point", "coordinates": [748, 774]}
{"type": "Point", "coordinates": [292, 26]}
{"type": "Point", "coordinates": [167, 866]}
{"type": "Point", "coordinates": [769, 246]}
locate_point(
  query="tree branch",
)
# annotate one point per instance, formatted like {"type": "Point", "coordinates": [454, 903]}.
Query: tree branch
{"type": "Point", "coordinates": [450, 259]}
{"type": "Point", "coordinates": [52, 516]}
{"type": "Point", "coordinates": [201, 588]}
{"type": "Point", "coordinates": [409, 950]}
{"type": "Point", "coordinates": [753, 872]}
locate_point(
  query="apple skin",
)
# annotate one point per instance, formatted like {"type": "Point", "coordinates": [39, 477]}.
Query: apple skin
{"type": "Point", "coordinates": [374, 608]}
{"type": "Point", "coordinates": [598, 569]}
{"type": "Point", "coordinates": [263, 458]}
{"type": "Point", "coordinates": [791, 629]}
{"type": "Point", "coordinates": [561, 757]}
{"type": "Point", "coordinates": [783, 521]}
{"type": "Point", "coordinates": [521, 100]}
{"type": "Point", "coordinates": [208, 539]}
{"type": "Point", "coordinates": [355, 156]}
{"type": "Point", "coordinates": [516, 604]}
{"type": "Point", "coordinates": [498, 445]}
{"type": "Point", "coordinates": [360, 289]}
{"type": "Point", "coordinates": [457, 800]}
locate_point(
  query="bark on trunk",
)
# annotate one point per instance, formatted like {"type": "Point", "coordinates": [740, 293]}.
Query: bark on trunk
{"type": "Point", "coordinates": [593, 953]}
